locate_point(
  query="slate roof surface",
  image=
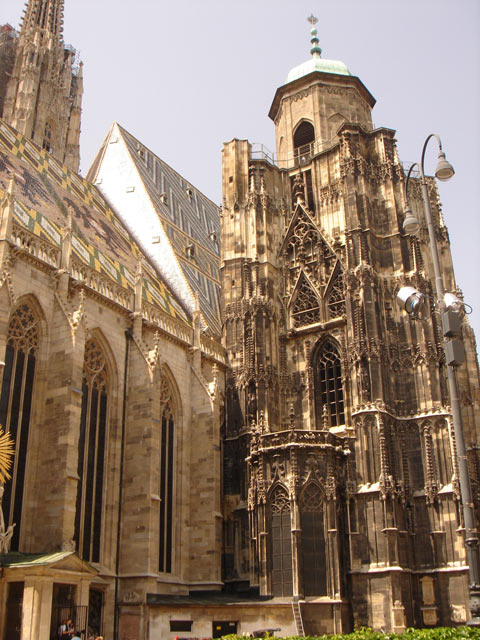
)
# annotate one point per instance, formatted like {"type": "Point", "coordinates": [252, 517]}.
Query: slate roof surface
{"type": "Point", "coordinates": [44, 192]}
{"type": "Point", "coordinates": [14, 559]}
{"type": "Point", "coordinates": [191, 222]}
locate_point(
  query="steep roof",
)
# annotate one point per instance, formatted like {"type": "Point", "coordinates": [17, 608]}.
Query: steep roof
{"type": "Point", "coordinates": [176, 225]}
{"type": "Point", "coordinates": [47, 195]}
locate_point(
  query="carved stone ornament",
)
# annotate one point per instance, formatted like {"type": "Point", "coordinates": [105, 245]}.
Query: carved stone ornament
{"type": "Point", "coordinates": [131, 597]}
{"type": "Point", "coordinates": [68, 545]}
{"type": "Point", "coordinates": [331, 488]}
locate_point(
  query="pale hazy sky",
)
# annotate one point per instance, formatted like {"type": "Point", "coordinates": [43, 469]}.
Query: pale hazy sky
{"type": "Point", "coordinates": [185, 76]}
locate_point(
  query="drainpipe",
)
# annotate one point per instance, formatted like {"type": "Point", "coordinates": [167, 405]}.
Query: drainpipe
{"type": "Point", "coordinates": [128, 337]}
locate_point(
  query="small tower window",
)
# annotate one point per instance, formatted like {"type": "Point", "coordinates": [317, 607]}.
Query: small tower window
{"type": "Point", "coordinates": [47, 138]}
{"type": "Point", "coordinates": [303, 138]}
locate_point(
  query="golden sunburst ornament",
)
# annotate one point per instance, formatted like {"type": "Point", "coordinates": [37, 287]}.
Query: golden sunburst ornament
{"type": "Point", "coordinates": [6, 454]}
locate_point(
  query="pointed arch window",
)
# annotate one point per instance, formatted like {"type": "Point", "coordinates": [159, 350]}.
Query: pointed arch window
{"type": "Point", "coordinates": [281, 543]}
{"type": "Point", "coordinates": [303, 139]}
{"type": "Point", "coordinates": [167, 477]}
{"type": "Point", "coordinates": [304, 135]}
{"type": "Point", "coordinates": [329, 400]}
{"type": "Point", "coordinates": [16, 404]}
{"type": "Point", "coordinates": [91, 453]}
{"type": "Point", "coordinates": [313, 542]}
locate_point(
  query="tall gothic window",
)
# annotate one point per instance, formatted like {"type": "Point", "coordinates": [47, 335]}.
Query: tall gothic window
{"type": "Point", "coordinates": [281, 543]}
{"type": "Point", "coordinates": [167, 476]}
{"type": "Point", "coordinates": [327, 369]}
{"type": "Point", "coordinates": [15, 406]}
{"type": "Point", "coordinates": [313, 542]}
{"type": "Point", "coordinates": [91, 453]}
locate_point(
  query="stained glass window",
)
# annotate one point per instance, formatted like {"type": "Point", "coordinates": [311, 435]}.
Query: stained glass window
{"type": "Point", "coordinates": [167, 466]}
{"type": "Point", "coordinates": [91, 453]}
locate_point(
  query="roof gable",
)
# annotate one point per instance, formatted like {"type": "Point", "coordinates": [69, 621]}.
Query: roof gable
{"type": "Point", "coordinates": [59, 561]}
{"type": "Point", "coordinates": [175, 223]}
{"type": "Point", "coordinates": [302, 227]}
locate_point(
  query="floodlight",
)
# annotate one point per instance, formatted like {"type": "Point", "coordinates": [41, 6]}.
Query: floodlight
{"type": "Point", "coordinates": [444, 170]}
{"type": "Point", "coordinates": [410, 223]}
{"type": "Point", "coordinates": [412, 300]}
{"type": "Point", "coordinates": [454, 303]}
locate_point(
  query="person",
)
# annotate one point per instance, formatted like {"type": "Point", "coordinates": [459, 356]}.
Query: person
{"type": "Point", "coordinates": [70, 630]}
{"type": "Point", "coordinates": [66, 630]}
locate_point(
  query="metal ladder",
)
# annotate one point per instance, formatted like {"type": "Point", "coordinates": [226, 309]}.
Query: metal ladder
{"type": "Point", "coordinates": [297, 616]}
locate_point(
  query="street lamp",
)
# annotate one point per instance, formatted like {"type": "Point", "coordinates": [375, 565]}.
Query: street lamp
{"type": "Point", "coordinates": [450, 306]}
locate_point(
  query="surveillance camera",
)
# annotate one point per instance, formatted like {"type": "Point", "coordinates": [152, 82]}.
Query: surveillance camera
{"type": "Point", "coordinates": [412, 300]}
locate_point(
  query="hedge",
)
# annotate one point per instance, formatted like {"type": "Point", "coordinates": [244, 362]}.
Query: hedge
{"type": "Point", "coordinates": [440, 633]}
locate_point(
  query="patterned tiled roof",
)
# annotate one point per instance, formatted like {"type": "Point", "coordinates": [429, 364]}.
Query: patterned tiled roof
{"type": "Point", "coordinates": [190, 221]}
{"type": "Point", "coordinates": [47, 194]}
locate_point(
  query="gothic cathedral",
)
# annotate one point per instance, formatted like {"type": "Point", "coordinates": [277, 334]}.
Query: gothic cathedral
{"type": "Point", "coordinates": [222, 419]}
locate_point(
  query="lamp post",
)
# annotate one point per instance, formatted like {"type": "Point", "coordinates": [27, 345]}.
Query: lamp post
{"type": "Point", "coordinates": [453, 353]}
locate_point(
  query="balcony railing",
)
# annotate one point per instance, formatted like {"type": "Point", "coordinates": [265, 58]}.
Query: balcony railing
{"type": "Point", "coordinates": [298, 157]}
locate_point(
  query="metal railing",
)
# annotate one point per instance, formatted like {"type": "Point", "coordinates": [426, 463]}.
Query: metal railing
{"type": "Point", "coordinates": [78, 614]}
{"type": "Point", "coordinates": [301, 155]}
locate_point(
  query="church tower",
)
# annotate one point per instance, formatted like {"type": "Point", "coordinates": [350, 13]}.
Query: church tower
{"type": "Point", "coordinates": [340, 479]}
{"type": "Point", "coordinates": [43, 95]}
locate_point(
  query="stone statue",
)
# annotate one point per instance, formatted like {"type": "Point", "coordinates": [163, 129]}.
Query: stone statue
{"type": "Point", "coordinates": [5, 536]}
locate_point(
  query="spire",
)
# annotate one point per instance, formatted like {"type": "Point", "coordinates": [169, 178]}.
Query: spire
{"type": "Point", "coordinates": [315, 50]}
{"type": "Point", "coordinates": [43, 93]}
{"type": "Point", "coordinates": [46, 15]}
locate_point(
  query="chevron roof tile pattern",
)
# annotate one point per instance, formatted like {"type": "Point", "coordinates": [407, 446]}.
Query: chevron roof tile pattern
{"type": "Point", "coordinates": [191, 222]}
{"type": "Point", "coordinates": [47, 193]}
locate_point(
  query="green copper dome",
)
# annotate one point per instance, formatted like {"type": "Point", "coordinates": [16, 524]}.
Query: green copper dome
{"type": "Point", "coordinates": [318, 64]}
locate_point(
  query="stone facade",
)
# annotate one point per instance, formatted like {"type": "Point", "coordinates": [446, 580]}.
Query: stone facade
{"type": "Point", "coordinates": [335, 397]}
{"type": "Point", "coordinates": [113, 394]}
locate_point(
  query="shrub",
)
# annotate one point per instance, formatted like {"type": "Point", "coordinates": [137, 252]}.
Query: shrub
{"type": "Point", "coordinates": [440, 633]}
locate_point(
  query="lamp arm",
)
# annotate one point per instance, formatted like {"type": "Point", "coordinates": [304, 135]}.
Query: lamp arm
{"type": "Point", "coordinates": [425, 144]}
{"type": "Point", "coordinates": [415, 164]}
